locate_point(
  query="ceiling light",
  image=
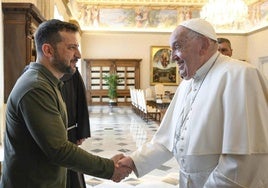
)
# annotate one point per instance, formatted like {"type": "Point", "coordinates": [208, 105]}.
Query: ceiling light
{"type": "Point", "coordinates": [222, 12]}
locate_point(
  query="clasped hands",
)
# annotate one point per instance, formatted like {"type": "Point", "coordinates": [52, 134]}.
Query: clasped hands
{"type": "Point", "coordinates": [123, 166]}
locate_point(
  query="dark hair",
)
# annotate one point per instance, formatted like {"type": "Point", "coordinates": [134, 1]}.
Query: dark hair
{"type": "Point", "coordinates": [48, 32]}
{"type": "Point", "coordinates": [221, 40]}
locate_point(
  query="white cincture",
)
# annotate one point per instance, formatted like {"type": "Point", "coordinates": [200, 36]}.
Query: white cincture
{"type": "Point", "coordinates": [72, 127]}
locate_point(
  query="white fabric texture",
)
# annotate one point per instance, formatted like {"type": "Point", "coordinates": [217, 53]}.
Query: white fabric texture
{"type": "Point", "coordinates": [149, 156]}
{"type": "Point", "coordinates": [200, 26]}
{"type": "Point", "coordinates": [229, 115]}
{"type": "Point", "coordinates": [227, 132]}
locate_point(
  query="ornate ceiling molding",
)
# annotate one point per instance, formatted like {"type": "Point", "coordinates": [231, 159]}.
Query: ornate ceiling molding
{"type": "Point", "coordinates": [155, 15]}
{"type": "Point", "coordinates": [169, 3]}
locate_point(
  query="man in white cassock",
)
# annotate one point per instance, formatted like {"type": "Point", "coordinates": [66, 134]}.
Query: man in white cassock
{"type": "Point", "coordinates": [217, 123]}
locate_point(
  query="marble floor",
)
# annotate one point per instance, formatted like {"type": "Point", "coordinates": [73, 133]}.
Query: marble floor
{"type": "Point", "coordinates": [119, 130]}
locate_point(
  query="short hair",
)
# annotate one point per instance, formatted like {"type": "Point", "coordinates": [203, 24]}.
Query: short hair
{"type": "Point", "coordinates": [222, 40]}
{"type": "Point", "coordinates": [48, 32]}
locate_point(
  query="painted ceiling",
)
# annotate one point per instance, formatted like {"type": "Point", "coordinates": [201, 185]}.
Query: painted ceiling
{"type": "Point", "coordinates": [157, 15]}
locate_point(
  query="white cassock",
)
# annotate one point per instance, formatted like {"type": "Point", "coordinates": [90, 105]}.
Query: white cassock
{"type": "Point", "coordinates": [219, 137]}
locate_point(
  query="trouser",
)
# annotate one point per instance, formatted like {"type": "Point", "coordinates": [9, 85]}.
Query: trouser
{"type": "Point", "coordinates": [75, 179]}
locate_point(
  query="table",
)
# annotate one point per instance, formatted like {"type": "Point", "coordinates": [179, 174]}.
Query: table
{"type": "Point", "coordinates": [160, 104]}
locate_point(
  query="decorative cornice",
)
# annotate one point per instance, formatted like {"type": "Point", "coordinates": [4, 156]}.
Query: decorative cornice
{"type": "Point", "coordinates": [145, 15]}
{"type": "Point", "coordinates": [144, 2]}
{"type": "Point", "coordinates": [170, 3]}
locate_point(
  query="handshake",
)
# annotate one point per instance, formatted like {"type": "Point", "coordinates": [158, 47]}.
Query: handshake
{"type": "Point", "coordinates": [123, 166]}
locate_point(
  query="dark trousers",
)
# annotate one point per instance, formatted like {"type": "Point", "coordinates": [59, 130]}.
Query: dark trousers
{"type": "Point", "coordinates": [75, 179]}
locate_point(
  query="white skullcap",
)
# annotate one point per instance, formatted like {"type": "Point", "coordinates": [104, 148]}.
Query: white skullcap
{"type": "Point", "coordinates": [200, 26]}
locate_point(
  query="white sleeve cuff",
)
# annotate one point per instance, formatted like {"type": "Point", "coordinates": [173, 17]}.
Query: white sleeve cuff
{"type": "Point", "coordinates": [149, 156]}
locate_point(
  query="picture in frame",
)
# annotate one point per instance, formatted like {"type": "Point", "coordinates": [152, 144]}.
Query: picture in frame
{"type": "Point", "coordinates": [163, 69]}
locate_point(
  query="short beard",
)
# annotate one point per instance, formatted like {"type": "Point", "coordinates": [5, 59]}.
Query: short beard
{"type": "Point", "coordinates": [72, 69]}
{"type": "Point", "coordinates": [61, 65]}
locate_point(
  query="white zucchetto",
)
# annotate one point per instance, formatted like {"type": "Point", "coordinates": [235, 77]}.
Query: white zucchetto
{"type": "Point", "coordinates": [200, 26]}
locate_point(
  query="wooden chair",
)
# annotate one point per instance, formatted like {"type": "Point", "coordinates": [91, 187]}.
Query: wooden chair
{"type": "Point", "coordinates": [147, 112]}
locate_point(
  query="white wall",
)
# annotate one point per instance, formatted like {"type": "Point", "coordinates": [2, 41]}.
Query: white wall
{"type": "Point", "coordinates": [137, 45]}
{"type": "Point", "coordinates": [239, 45]}
{"type": "Point", "coordinates": [257, 45]}
{"type": "Point", "coordinates": [125, 45]}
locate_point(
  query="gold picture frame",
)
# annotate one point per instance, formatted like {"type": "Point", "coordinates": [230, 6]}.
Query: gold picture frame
{"type": "Point", "coordinates": [163, 69]}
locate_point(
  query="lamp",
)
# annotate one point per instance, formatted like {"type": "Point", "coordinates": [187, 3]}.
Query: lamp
{"type": "Point", "coordinates": [222, 12]}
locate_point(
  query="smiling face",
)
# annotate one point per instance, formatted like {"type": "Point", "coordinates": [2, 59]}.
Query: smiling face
{"type": "Point", "coordinates": [66, 53]}
{"type": "Point", "coordinates": [186, 51]}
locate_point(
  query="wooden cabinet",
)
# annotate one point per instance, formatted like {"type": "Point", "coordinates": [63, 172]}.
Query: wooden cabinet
{"type": "Point", "coordinates": [20, 22]}
{"type": "Point", "coordinates": [97, 91]}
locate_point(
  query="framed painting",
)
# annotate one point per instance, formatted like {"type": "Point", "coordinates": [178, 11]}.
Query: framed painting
{"type": "Point", "coordinates": [163, 69]}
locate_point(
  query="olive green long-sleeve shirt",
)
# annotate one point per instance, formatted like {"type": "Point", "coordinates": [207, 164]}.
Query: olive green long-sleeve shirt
{"type": "Point", "coordinates": [36, 149]}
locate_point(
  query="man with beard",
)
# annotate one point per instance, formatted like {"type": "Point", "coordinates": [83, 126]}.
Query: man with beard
{"type": "Point", "coordinates": [74, 95]}
{"type": "Point", "coordinates": [216, 124]}
{"type": "Point", "coordinates": [36, 148]}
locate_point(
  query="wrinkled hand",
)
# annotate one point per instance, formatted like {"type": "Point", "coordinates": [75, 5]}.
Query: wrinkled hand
{"type": "Point", "coordinates": [120, 172]}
